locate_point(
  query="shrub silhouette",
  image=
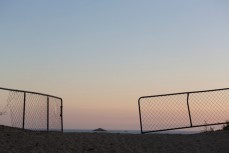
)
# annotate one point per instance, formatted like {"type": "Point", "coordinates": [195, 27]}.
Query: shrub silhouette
{"type": "Point", "coordinates": [226, 127]}
{"type": "Point", "coordinates": [211, 129]}
{"type": "Point", "coordinates": [207, 128]}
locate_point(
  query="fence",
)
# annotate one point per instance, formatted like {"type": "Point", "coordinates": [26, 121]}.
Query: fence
{"type": "Point", "coordinates": [31, 110]}
{"type": "Point", "coordinates": [183, 110]}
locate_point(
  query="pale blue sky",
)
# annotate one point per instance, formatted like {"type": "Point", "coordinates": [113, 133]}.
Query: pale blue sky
{"type": "Point", "coordinates": [100, 55]}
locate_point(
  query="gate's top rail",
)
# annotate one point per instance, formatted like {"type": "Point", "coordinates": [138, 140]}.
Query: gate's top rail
{"type": "Point", "coordinates": [183, 93]}
{"type": "Point", "coordinates": [30, 92]}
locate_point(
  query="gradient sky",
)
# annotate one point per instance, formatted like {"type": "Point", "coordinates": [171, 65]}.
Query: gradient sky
{"type": "Point", "coordinates": [100, 56]}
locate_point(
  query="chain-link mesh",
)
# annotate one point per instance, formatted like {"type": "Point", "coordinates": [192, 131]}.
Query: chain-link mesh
{"type": "Point", "coordinates": [54, 114]}
{"type": "Point", "coordinates": [5, 115]}
{"type": "Point", "coordinates": [29, 110]}
{"type": "Point", "coordinates": [164, 112]}
{"type": "Point", "coordinates": [15, 103]}
{"type": "Point", "coordinates": [183, 110]}
{"type": "Point", "coordinates": [35, 112]}
{"type": "Point", "coordinates": [209, 107]}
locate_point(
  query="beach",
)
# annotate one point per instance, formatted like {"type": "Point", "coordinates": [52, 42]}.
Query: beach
{"type": "Point", "coordinates": [18, 141]}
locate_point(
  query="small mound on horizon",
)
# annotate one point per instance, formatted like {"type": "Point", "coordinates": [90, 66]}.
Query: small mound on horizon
{"type": "Point", "coordinates": [100, 130]}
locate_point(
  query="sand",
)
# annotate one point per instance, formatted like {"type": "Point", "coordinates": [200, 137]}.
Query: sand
{"type": "Point", "coordinates": [19, 141]}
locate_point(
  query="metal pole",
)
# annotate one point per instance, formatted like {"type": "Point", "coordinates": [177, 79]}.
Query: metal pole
{"type": "Point", "coordinates": [189, 110]}
{"type": "Point", "coordinates": [23, 122]}
{"type": "Point", "coordinates": [47, 113]}
{"type": "Point", "coordinates": [140, 115]}
{"type": "Point", "coordinates": [61, 115]}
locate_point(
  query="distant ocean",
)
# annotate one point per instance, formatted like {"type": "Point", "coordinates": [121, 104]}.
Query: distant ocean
{"type": "Point", "coordinates": [130, 131]}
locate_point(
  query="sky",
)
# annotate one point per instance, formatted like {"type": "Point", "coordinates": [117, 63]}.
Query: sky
{"type": "Point", "coordinates": [101, 56]}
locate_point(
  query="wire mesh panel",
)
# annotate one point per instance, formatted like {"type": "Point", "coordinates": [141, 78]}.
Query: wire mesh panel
{"type": "Point", "coordinates": [15, 104]}
{"type": "Point", "coordinates": [209, 107]}
{"type": "Point", "coordinates": [164, 112]}
{"type": "Point", "coordinates": [184, 110]}
{"type": "Point", "coordinates": [55, 114]}
{"type": "Point", "coordinates": [30, 110]}
{"type": "Point", "coordinates": [36, 112]}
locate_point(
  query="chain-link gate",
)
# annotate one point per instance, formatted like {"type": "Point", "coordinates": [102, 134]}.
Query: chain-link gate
{"type": "Point", "coordinates": [31, 110]}
{"type": "Point", "coordinates": [183, 110]}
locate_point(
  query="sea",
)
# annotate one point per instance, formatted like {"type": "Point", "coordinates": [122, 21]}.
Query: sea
{"type": "Point", "coordinates": [180, 131]}
{"type": "Point", "coordinates": [131, 131]}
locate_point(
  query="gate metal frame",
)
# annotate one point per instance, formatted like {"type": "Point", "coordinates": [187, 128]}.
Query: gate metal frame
{"type": "Point", "coordinates": [41, 94]}
{"type": "Point", "coordinates": [190, 118]}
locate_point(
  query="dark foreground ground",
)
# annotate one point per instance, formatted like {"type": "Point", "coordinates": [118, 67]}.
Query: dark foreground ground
{"type": "Point", "coordinates": [17, 141]}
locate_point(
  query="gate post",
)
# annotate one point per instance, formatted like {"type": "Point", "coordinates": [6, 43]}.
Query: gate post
{"type": "Point", "coordinates": [47, 113]}
{"type": "Point", "coordinates": [23, 121]}
{"type": "Point", "coordinates": [189, 110]}
{"type": "Point", "coordinates": [61, 115]}
{"type": "Point", "coordinates": [139, 108]}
